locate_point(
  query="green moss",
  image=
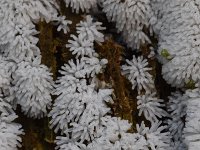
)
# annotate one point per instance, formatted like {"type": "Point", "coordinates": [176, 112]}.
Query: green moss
{"type": "Point", "coordinates": [166, 54]}
{"type": "Point", "coordinates": [190, 84]}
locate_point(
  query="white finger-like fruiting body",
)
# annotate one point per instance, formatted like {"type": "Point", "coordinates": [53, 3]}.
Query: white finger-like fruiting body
{"type": "Point", "coordinates": [151, 107]}
{"type": "Point", "coordinates": [191, 134]}
{"type": "Point", "coordinates": [179, 37]}
{"type": "Point", "coordinates": [131, 17]}
{"type": "Point", "coordinates": [17, 32]}
{"type": "Point", "coordinates": [9, 131]}
{"type": "Point", "coordinates": [33, 84]}
{"type": "Point", "coordinates": [91, 30]}
{"type": "Point", "coordinates": [177, 111]}
{"type": "Point", "coordinates": [137, 71]}
{"type": "Point", "coordinates": [81, 5]}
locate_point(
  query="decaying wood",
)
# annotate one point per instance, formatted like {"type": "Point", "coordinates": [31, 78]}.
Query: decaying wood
{"type": "Point", "coordinates": [54, 54]}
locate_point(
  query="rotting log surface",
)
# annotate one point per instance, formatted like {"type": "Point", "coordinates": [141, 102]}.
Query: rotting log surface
{"type": "Point", "coordinates": [38, 135]}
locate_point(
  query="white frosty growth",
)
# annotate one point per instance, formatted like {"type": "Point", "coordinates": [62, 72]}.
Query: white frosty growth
{"type": "Point", "coordinates": [28, 10]}
{"type": "Point", "coordinates": [88, 33]}
{"type": "Point", "coordinates": [115, 137]}
{"type": "Point", "coordinates": [90, 30]}
{"type": "Point", "coordinates": [131, 17]}
{"type": "Point", "coordinates": [33, 86]}
{"type": "Point", "coordinates": [136, 71]}
{"type": "Point", "coordinates": [17, 26]}
{"type": "Point", "coordinates": [19, 42]}
{"type": "Point", "coordinates": [177, 111]}
{"type": "Point", "coordinates": [62, 23]}
{"type": "Point", "coordinates": [191, 132]}
{"type": "Point", "coordinates": [179, 36]}
{"type": "Point", "coordinates": [7, 68]}
{"type": "Point", "coordinates": [81, 5]}
{"type": "Point", "coordinates": [80, 109]}
{"type": "Point", "coordinates": [9, 132]}
{"type": "Point", "coordinates": [156, 137]}
{"type": "Point", "coordinates": [81, 46]}
{"type": "Point", "coordinates": [151, 107]}
{"type": "Point", "coordinates": [85, 67]}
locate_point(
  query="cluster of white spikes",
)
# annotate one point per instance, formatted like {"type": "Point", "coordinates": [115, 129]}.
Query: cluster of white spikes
{"type": "Point", "coordinates": [80, 111]}
{"type": "Point", "coordinates": [23, 79]}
